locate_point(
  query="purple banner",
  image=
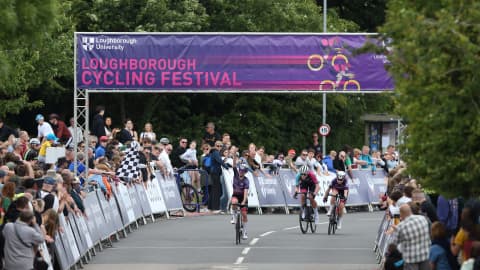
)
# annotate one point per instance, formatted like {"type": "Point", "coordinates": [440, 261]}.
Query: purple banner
{"type": "Point", "coordinates": [229, 63]}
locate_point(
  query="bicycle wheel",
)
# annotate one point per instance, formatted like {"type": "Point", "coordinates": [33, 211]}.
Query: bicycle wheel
{"type": "Point", "coordinates": [334, 219]}
{"type": "Point", "coordinates": [313, 225]}
{"type": "Point", "coordinates": [190, 198]}
{"type": "Point", "coordinates": [238, 231]}
{"type": "Point", "coordinates": [304, 221]}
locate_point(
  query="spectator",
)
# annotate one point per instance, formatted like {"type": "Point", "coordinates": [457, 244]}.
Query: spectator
{"type": "Point", "coordinates": [465, 237]}
{"type": "Point", "coordinates": [8, 193]}
{"type": "Point", "coordinates": [289, 160]}
{"type": "Point", "coordinates": [20, 237]}
{"type": "Point", "coordinates": [302, 159]}
{"type": "Point", "coordinates": [316, 146]}
{"type": "Point", "coordinates": [109, 130]}
{"type": "Point", "coordinates": [180, 150]}
{"type": "Point", "coordinates": [48, 195]}
{"type": "Point", "coordinates": [23, 142]}
{"type": "Point", "coordinates": [426, 207]}
{"type": "Point", "coordinates": [448, 212]}
{"type": "Point", "coordinates": [441, 258]}
{"type": "Point", "coordinates": [365, 156]}
{"type": "Point", "coordinates": [211, 136]}
{"type": "Point", "coordinates": [148, 133]}
{"type": "Point", "coordinates": [127, 134]}
{"type": "Point", "coordinates": [328, 160]}
{"type": "Point", "coordinates": [98, 123]}
{"type": "Point", "coordinates": [50, 139]}
{"type": "Point", "coordinates": [43, 127]}
{"type": "Point", "coordinates": [76, 132]}
{"type": "Point", "coordinates": [393, 258]}
{"type": "Point", "coordinates": [190, 158]}
{"type": "Point", "coordinates": [413, 235]}
{"type": "Point", "coordinates": [407, 196]}
{"type": "Point", "coordinates": [226, 140]}
{"type": "Point", "coordinates": [59, 127]}
{"type": "Point", "coordinates": [6, 131]}
{"type": "Point", "coordinates": [339, 162]}
{"type": "Point", "coordinates": [215, 173]}
{"type": "Point", "coordinates": [164, 157]}
{"type": "Point", "coordinates": [101, 148]}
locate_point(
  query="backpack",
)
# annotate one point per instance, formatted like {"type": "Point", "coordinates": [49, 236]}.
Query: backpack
{"type": "Point", "coordinates": [207, 162]}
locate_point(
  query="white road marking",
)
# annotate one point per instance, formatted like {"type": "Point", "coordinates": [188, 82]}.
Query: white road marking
{"type": "Point", "coordinates": [245, 251]}
{"type": "Point", "coordinates": [239, 260]}
{"type": "Point", "coordinates": [267, 233]}
{"type": "Point", "coordinates": [254, 241]}
{"type": "Point", "coordinates": [291, 228]}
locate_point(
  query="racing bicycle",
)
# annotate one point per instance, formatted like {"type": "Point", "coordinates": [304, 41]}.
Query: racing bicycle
{"type": "Point", "coordinates": [237, 215]}
{"type": "Point", "coordinates": [191, 198]}
{"type": "Point", "coordinates": [335, 213]}
{"type": "Point", "coordinates": [309, 219]}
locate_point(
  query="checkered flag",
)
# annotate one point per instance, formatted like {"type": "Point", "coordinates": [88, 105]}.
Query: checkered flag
{"type": "Point", "coordinates": [129, 168]}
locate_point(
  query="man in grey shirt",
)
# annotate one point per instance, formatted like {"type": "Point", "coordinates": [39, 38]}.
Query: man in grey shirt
{"type": "Point", "coordinates": [20, 238]}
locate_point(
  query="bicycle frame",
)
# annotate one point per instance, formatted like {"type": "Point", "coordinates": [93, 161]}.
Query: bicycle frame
{"type": "Point", "coordinates": [237, 213]}
{"type": "Point", "coordinates": [309, 219]}
{"type": "Point", "coordinates": [335, 214]}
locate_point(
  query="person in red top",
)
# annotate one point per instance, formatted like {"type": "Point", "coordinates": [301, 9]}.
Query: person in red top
{"type": "Point", "coordinates": [306, 181]}
{"type": "Point", "coordinates": [59, 127]}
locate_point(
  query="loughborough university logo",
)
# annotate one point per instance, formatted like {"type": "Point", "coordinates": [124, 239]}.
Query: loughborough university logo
{"type": "Point", "coordinates": [88, 43]}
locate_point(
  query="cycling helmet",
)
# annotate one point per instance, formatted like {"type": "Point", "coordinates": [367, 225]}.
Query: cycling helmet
{"type": "Point", "coordinates": [242, 167]}
{"type": "Point", "coordinates": [340, 175]}
{"type": "Point", "coordinates": [303, 169]}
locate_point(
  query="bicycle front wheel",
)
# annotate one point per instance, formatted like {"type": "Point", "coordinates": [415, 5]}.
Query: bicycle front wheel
{"type": "Point", "coordinates": [304, 221]}
{"type": "Point", "coordinates": [190, 198]}
{"type": "Point", "coordinates": [238, 231]}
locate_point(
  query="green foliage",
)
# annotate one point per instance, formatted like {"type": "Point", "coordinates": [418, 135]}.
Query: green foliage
{"type": "Point", "coordinates": [435, 66]}
{"type": "Point", "coordinates": [35, 48]}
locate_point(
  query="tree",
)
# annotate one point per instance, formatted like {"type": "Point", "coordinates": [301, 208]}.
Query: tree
{"type": "Point", "coordinates": [34, 50]}
{"type": "Point", "coordinates": [435, 63]}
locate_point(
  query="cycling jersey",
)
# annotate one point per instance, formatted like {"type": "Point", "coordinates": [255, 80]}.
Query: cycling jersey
{"type": "Point", "coordinates": [339, 187]}
{"type": "Point", "coordinates": [308, 183]}
{"type": "Point", "coordinates": [239, 185]}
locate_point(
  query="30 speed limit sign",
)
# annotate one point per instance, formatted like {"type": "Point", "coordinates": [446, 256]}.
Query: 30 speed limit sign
{"type": "Point", "coordinates": [324, 130]}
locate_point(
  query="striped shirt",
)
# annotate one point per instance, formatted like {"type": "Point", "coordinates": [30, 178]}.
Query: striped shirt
{"type": "Point", "coordinates": [414, 236]}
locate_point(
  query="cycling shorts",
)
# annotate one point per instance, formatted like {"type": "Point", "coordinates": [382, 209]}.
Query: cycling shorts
{"type": "Point", "coordinates": [307, 186]}
{"type": "Point", "coordinates": [240, 200]}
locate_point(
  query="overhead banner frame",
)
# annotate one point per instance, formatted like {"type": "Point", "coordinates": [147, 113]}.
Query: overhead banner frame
{"type": "Point", "coordinates": [136, 62]}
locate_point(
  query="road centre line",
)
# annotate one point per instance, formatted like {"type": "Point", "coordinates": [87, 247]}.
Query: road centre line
{"type": "Point", "coordinates": [254, 241]}
{"type": "Point", "coordinates": [267, 233]}
{"type": "Point", "coordinates": [245, 251]}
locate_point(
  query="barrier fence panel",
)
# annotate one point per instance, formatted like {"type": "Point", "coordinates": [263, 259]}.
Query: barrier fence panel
{"type": "Point", "coordinates": [61, 255]}
{"type": "Point", "coordinates": [142, 196]}
{"type": "Point", "coordinates": [116, 216]}
{"type": "Point", "coordinates": [127, 203]}
{"type": "Point", "coordinates": [323, 181]}
{"type": "Point", "coordinates": [84, 233]}
{"type": "Point", "coordinates": [69, 245]}
{"type": "Point", "coordinates": [253, 201]}
{"type": "Point", "coordinates": [377, 185]}
{"type": "Point", "coordinates": [137, 208]}
{"type": "Point", "coordinates": [155, 197]}
{"type": "Point", "coordinates": [287, 180]}
{"type": "Point", "coordinates": [227, 175]}
{"type": "Point", "coordinates": [81, 244]}
{"type": "Point", "coordinates": [269, 190]}
{"type": "Point", "coordinates": [109, 227]}
{"type": "Point", "coordinates": [169, 188]}
{"type": "Point", "coordinates": [360, 188]}
{"type": "Point", "coordinates": [121, 206]}
{"type": "Point", "coordinates": [93, 216]}
{"type": "Point", "coordinates": [46, 255]}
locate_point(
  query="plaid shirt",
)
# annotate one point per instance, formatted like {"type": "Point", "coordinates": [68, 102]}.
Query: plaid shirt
{"type": "Point", "coordinates": [414, 236]}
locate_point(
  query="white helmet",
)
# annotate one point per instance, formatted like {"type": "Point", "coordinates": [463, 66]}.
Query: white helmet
{"type": "Point", "coordinates": [340, 175]}
{"type": "Point", "coordinates": [303, 169]}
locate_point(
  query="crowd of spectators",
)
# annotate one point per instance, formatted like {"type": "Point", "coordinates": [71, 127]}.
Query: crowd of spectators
{"type": "Point", "coordinates": [33, 185]}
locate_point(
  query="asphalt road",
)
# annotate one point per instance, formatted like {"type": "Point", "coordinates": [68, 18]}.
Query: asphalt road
{"type": "Point", "coordinates": [275, 242]}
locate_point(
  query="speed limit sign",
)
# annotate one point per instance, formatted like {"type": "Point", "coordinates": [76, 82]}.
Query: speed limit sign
{"type": "Point", "coordinates": [324, 130]}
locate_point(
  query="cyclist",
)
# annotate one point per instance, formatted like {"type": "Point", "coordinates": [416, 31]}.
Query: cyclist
{"type": "Point", "coordinates": [306, 180]}
{"type": "Point", "coordinates": [337, 186]}
{"type": "Point", "coordinates": [240, 194]}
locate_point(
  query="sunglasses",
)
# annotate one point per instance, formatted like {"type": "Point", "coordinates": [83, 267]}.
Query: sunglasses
{"type": "Point", "coordinates": [183, 142]}
{"type": "Point", "coordinates": [303, 174]}
{"type": "Point", "coordinates": [218, 145]}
